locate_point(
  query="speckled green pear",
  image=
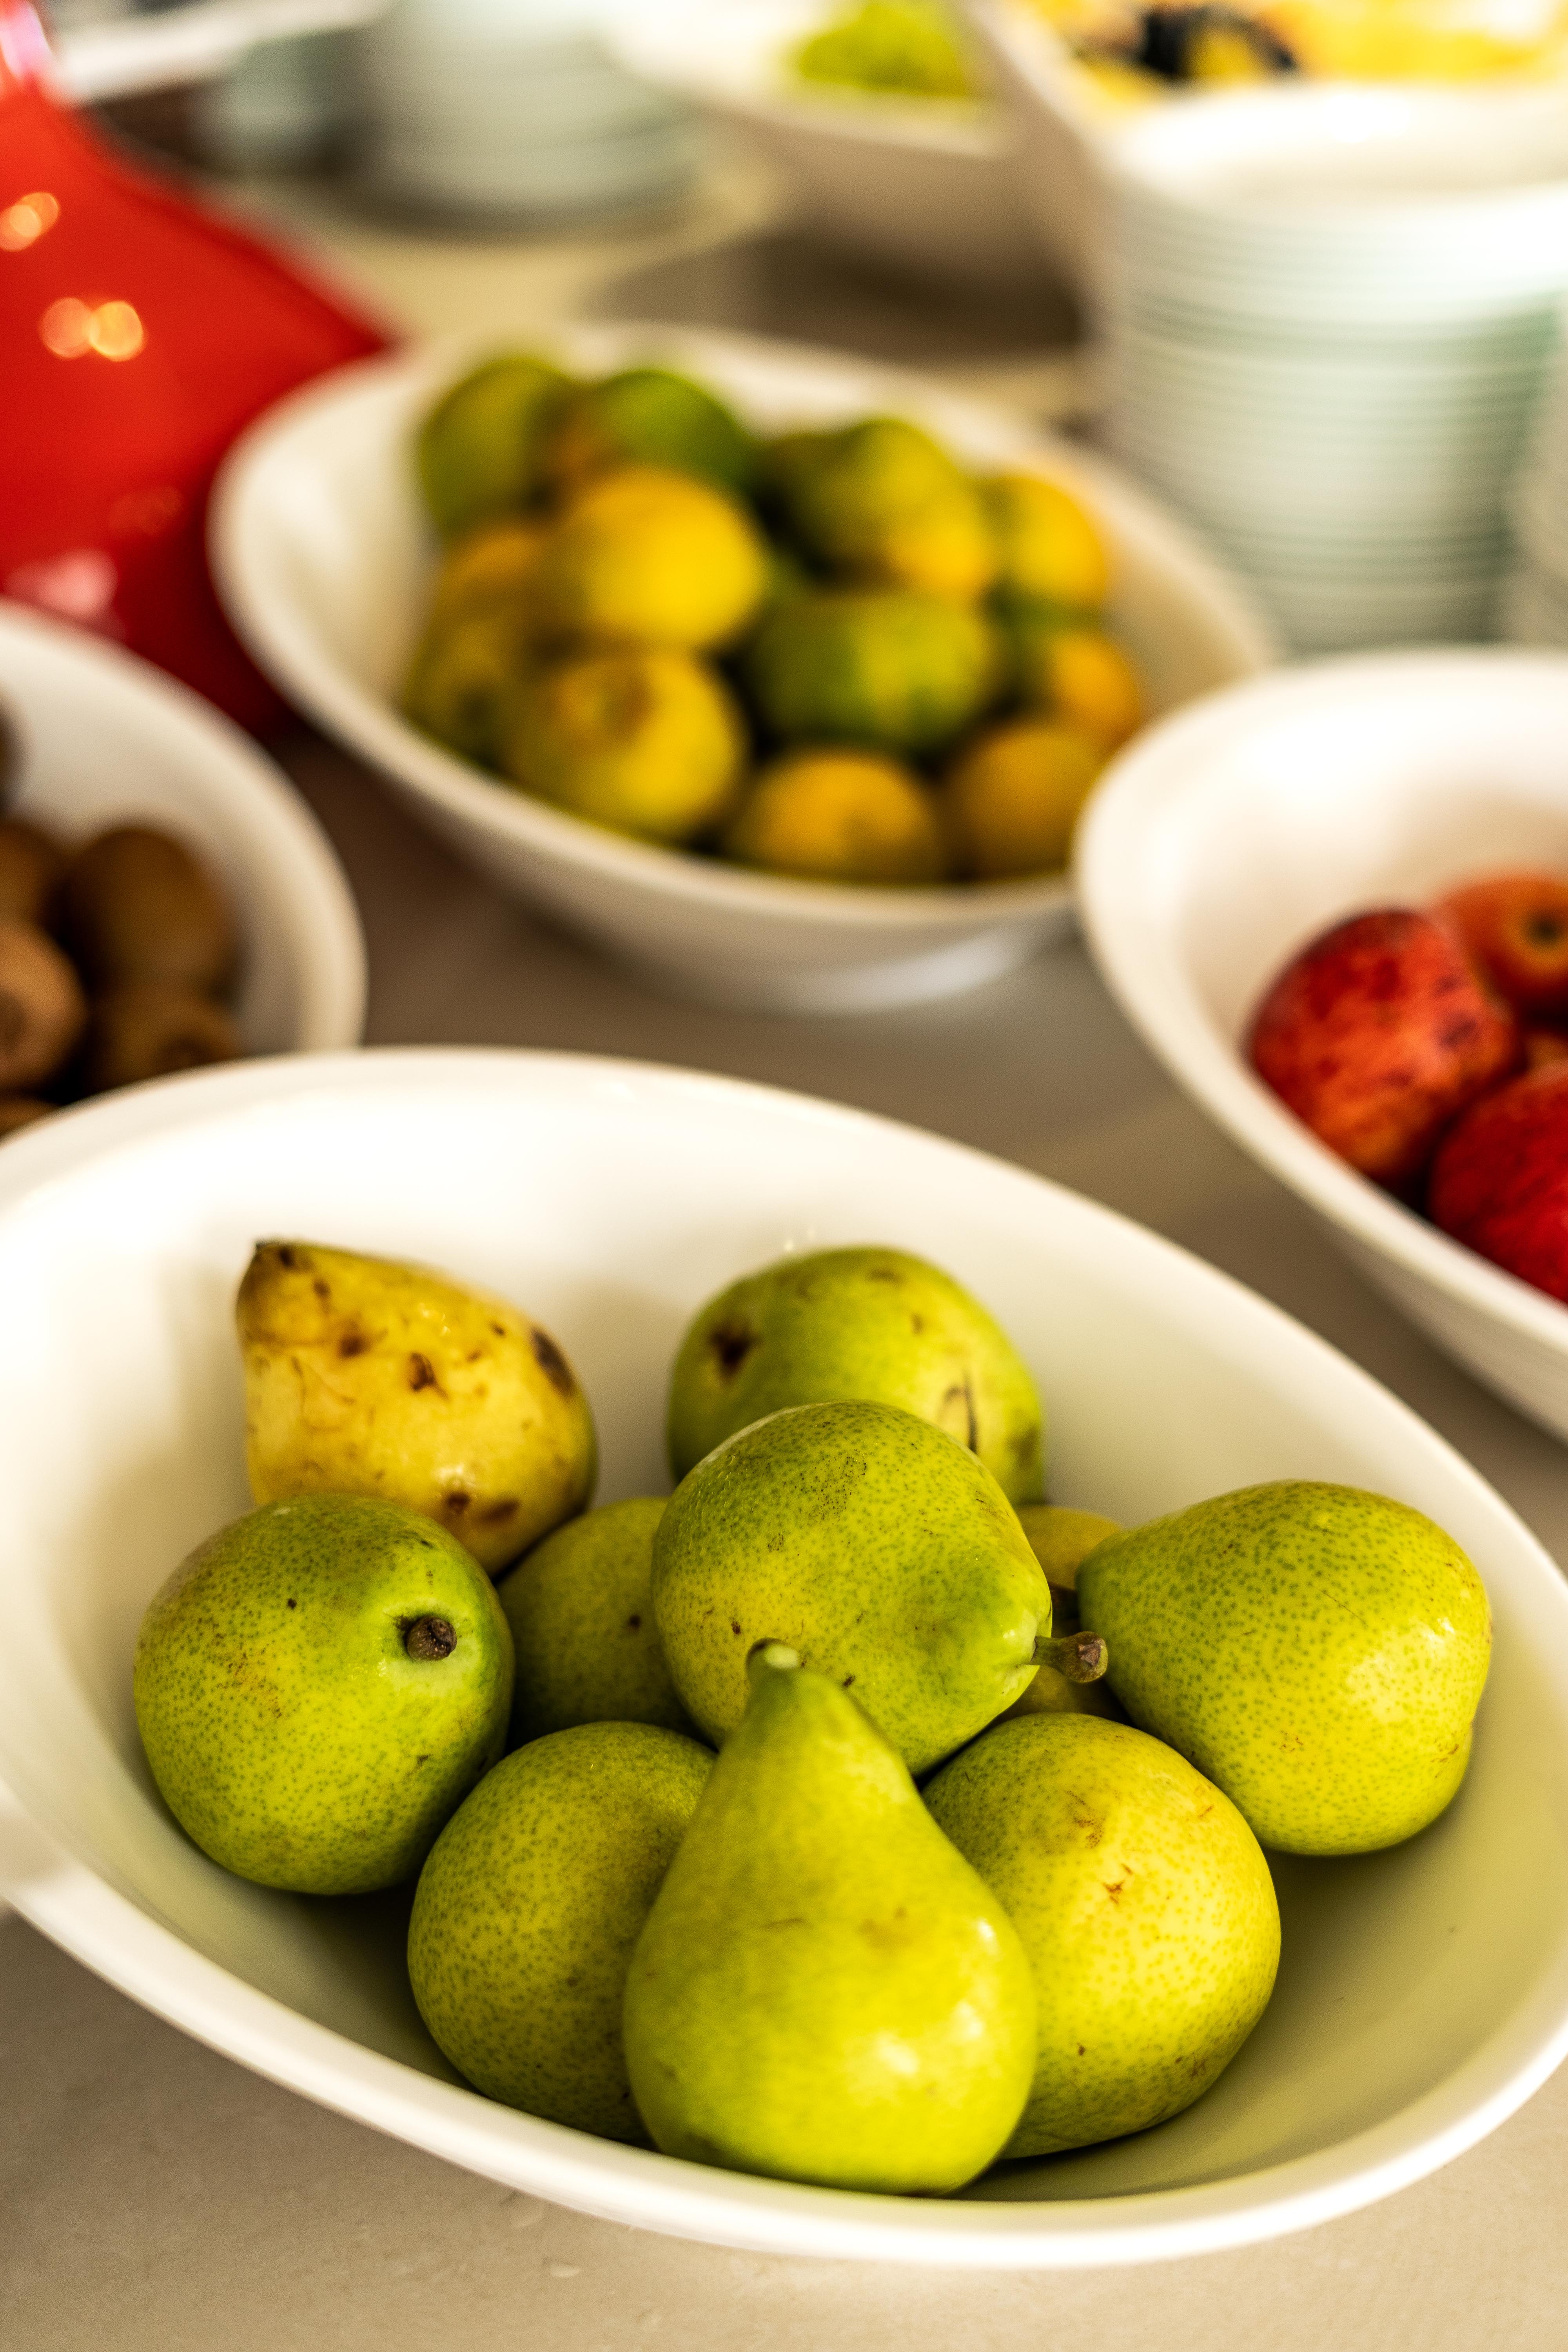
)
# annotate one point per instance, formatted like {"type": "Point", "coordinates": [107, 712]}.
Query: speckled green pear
{"type": "Point", "coordinates": [1061, 1539]}
{"type": "Point", "coordinates": [824, 1989]}
{"type": "Point", "coordinates": [1145, 1907]}
{"type": "Point", "coordinates": [318, 1687]}
{"type": "Point", "coordinates": [857, 1323]}
{"type": "Point", "coordinates": [365, 1376]}
{"type": "Point", "coordinates": [1318, 1651]}
{"type": "Point", "coordinates": [581, 1612]}
{"type": "Point", "coordinates": [527, 1911]}
{"type": "Point", "coordinates": [872, 1543]}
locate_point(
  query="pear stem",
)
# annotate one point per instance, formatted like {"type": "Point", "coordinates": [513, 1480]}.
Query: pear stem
{"type": "Point", "coordinates": [1080, 1657]}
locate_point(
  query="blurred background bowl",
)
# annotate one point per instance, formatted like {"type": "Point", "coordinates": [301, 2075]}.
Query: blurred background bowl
{"type": "Point", "coordinates": [1423, 1993]}
{"type": "Point", "coordinates": [1232, 833]}
{"type": "Point", "coordinates": [322, 555]}
{"type": "Point", "coordinates": [924, 185]}
{"type": "Point", "coordinates": [108, 739]}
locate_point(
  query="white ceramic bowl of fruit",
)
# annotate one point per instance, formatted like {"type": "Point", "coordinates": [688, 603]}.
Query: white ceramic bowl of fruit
{"type": "Point", "coordinates": [325, 559]}
{"type": "Point", "coordinates": [1233, 835]}
{"type": "Point", "coordinates": [1423, 1991]}
{"type": "Point", "coordinates": [105, 740]}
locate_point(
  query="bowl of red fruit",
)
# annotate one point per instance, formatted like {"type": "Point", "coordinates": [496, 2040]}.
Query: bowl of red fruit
{"type": "Point", "coordinates": [1334, 901]}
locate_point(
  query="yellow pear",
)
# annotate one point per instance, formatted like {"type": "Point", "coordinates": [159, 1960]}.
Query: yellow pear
{"type": "Point", "coordinates": [365, 1376]}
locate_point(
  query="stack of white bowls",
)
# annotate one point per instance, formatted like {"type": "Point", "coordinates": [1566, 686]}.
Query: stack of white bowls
{"type": "Point", "coordinates": [1535, 602]}
{"type": "Point", "coordinates": [1328, 312]}
{"type": "Point", "coordinates": [512, 108]}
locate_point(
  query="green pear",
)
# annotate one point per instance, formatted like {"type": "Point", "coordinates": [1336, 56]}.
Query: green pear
{"type": "Point", "coordinates": [527, 1911]}
{"type": "Point", "coordinates": [581, 1612]}
{"type": "Point", "coordinates": [880, 1548]}
{"type": "Point", "coordinates": [318, 1687]}
{"type": "Point", "coordinates": [872, 1323]}
{"type": "Point", "coordinates": [1316, 1651]}
{"type": "Point", "coordinates": [1060, 1537]}
{"type": "Point", "coordinates": [825, 1991]}
{"type": "Point", "coordinates": [365, 1376]}
{"type": "Point", "coordinates": [1145, 1907]}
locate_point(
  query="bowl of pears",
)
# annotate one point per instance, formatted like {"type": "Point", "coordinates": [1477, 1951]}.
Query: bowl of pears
{"type": "Point", "coordinates": [780, 678]}
{"type": "Point", "coordinates": [728, 1663]}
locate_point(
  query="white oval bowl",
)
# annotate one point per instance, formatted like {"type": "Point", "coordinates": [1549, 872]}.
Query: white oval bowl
{"type": "Point", "coordinates": [1233, 833]}
{"type": "Point", "coordinates": [927, 186]}
{"type": "Point", "coordinates": [110, 739]}
{"type": "Point", "coordinates": [323, 557]}
{"type": "Point", "coordinates": [1424, 1993]}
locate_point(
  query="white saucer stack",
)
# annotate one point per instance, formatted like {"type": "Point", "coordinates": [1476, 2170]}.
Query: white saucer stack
{"type": "Point", "coordinates": [1535, 602]}
{"type": "Point", "coordinates": [511, 109]}
{"type": "Point", "coordinates": [1328, 312]}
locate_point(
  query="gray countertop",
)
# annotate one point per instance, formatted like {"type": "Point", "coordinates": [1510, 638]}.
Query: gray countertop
{"type": "Point", "coordinates": [154, 2197]}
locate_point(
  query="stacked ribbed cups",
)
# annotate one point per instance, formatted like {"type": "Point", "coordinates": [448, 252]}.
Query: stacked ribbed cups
{"type": "Point", "coordinates": [1327, 313]}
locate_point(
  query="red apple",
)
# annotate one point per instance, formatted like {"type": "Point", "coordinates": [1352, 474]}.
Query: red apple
{"type": "Point", "coordinates": [1544, 1045]}
{"type": "Point", "coordinates": [1514, 929]}
{"type": "Point", "coordinates": [1379, 1034]}
{"type": "Point", "coordinates": [1500, 1183]}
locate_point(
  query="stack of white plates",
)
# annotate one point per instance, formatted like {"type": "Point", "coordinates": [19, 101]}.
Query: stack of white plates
{"type": "Point", "coordinates": [1328, 312]}
{"type": "Point", "coordinates": [510, 108]}
{"type": "Point", "coordinates": [1535, 602]}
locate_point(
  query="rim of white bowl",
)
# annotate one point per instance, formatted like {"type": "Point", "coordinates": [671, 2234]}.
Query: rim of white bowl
{"type": "Point", "coordinates": [1152, 988]}
{"type": "Point", "coordinates": [374, 728]}
{"type": "Point", "coordinates": [328, 943]}
{"type": "Point", "coordinates": [111, 1934]}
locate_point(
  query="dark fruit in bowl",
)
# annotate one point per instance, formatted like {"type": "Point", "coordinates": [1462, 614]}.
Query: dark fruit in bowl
{"type": "Point", "coordinates": [1514, 929]}
{"type": "Point", "coordinates": [1377, 1036]}
{"type": "Point", "coordinates": [149, 1029]}
{"type": "Point", "coordinates": [136, 905]}
{"type": "Point", "coordinates": [42, 1007]}
{"type": "Point", "coordinates": [31, 864]}
{"type": "Point", "coordinates": [1500, 1182]}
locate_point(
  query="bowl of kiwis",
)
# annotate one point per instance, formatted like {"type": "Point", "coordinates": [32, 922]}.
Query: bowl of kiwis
{"type": "Point", "coordinates": [166, 900]}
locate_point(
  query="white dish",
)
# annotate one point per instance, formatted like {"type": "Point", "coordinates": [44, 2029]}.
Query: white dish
{"type": "Point", "coordinates": [107, 739]}
{"type": "Point", "coordinates": [926, 185]}
{"type": "Point", "coordinates": [1233, 833]}
{"type": "Point", "coordinates": [1424, 1993]}
{"type": "Point", "coordinates": [321, 557]}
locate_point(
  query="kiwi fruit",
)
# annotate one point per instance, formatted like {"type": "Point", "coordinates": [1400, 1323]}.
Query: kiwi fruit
{"type": "Point", "coordinates": [150, 1028]}
{"type": "Point", "coordinates": [31, 864]}
{"type": "Point", "coordinates": [135, 905]}
{"type": "Point", "coordinates": [42, 1008]}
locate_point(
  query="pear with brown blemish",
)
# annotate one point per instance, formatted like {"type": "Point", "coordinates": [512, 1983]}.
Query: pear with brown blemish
{"type": "Point", "coordinates": [867, 1322]}
{"type": "Point", "coordinates": [367, 1376]}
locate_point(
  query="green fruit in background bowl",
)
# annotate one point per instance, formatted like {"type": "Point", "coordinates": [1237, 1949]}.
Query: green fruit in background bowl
{"type": "Point", "coordinates": [318, 1687]}
{"type": "Point", "coordinates": [367, 1376]}
{"type": "Point", "coordinates": [1316, 1651]}
{"type": "Point", "coordinates": [881, 501]}
{"type": "Point", "coordinates": [581, 1612]}
{"type": "Point", "coordinates": [463, 678]}
{"type": "Point", "coordinates": [863, 1322]}
{"type": "Point", "coordinates": [650, 557]}
{"type": "Point", "coordinates": [528, 1910]}
{"type": "Point", "coordinates": [888, 668]}
{"type": "Point", "coordinates": [649, 416]}
{"type": "Point", "coordinates": [642, 740]}
{"type": "Point", "coordinates": [479, 450]}
{"type": "Point", "coordinates": [825, 1991]}
{"type": "Point", "coordinates": [1145, 1907]}
{"type": "Point", "coordinates": [875, 1546]}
